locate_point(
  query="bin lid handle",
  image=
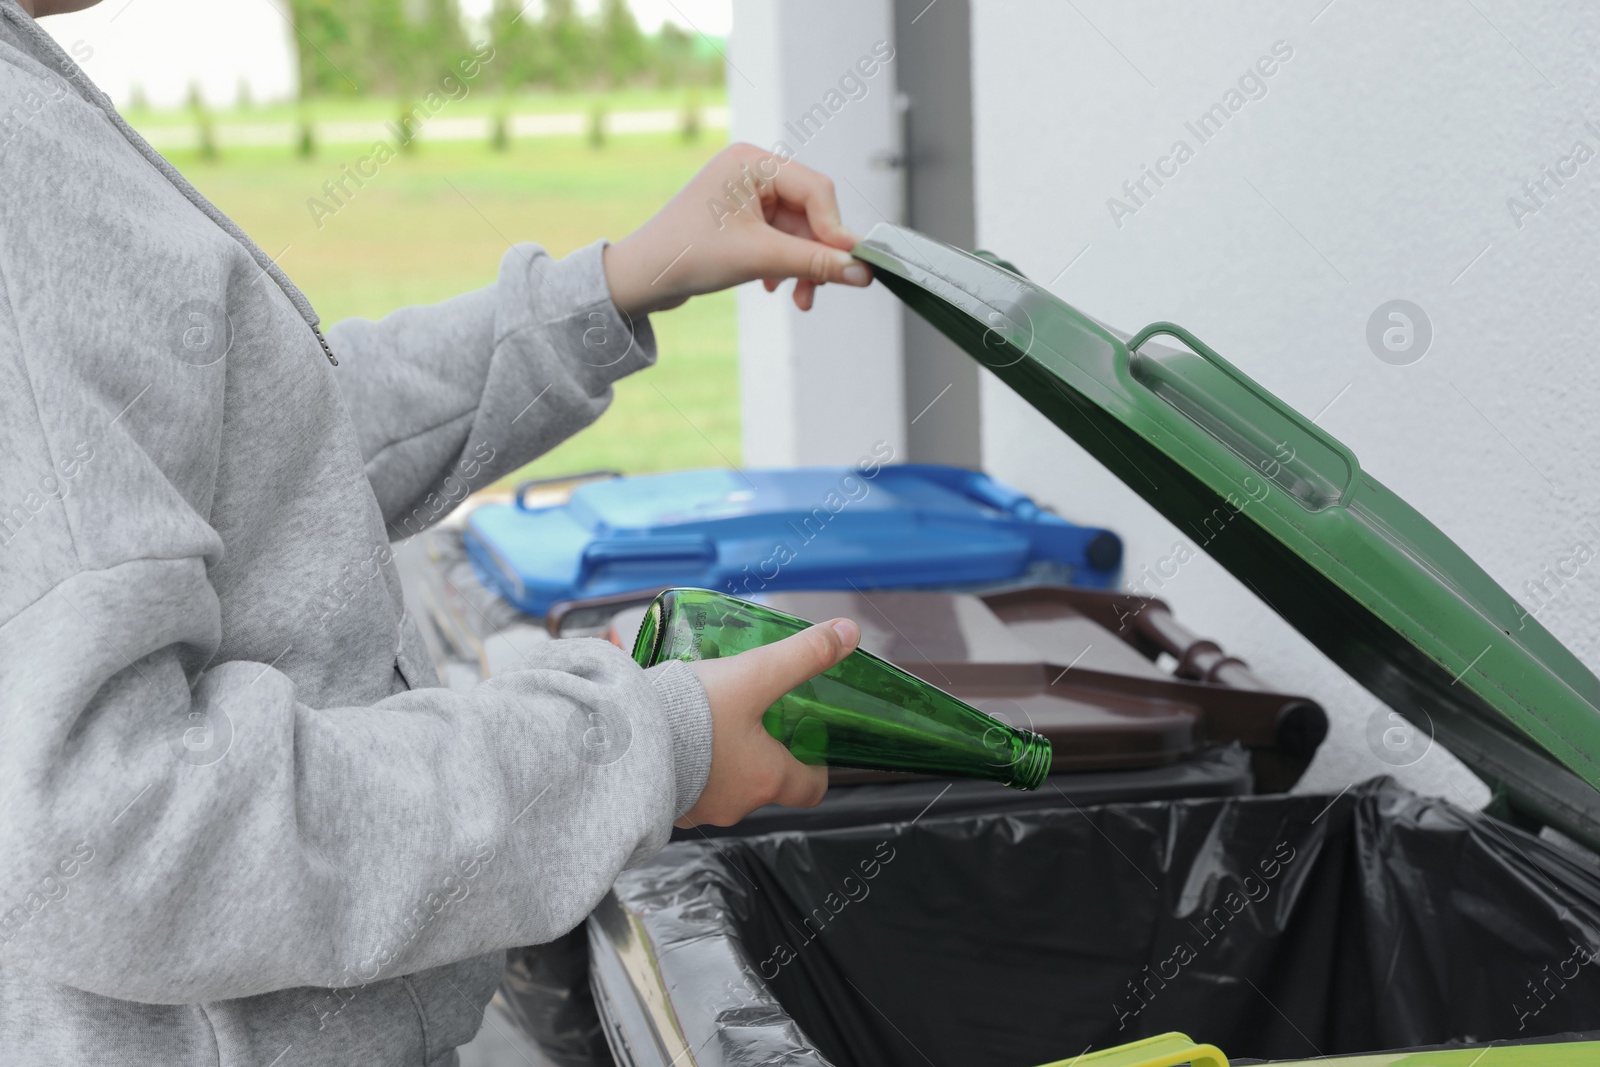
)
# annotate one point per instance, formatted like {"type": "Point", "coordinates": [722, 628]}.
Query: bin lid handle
{"type": "Point", "coordinates": [1163, 1050]}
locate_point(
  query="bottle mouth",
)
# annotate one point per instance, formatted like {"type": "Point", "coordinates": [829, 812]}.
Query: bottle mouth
{"type": "Point", "coordinates": [1033, 765]}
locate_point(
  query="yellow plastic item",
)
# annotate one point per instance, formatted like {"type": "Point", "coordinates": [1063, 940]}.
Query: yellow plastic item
{"type": "Point", "coordinates": [1163, 1050]}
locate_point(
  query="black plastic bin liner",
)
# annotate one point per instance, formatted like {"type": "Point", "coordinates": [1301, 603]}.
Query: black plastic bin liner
{"type": "Point", "coordinates": [545, 990]}
{"type": "Point", "coordinates": [546, 987]}
{"type": "Point", "coordinates": [1274, 927]}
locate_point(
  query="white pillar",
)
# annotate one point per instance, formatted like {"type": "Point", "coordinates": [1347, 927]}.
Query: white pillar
{"type": "Point", "coordinates": [821, 386]}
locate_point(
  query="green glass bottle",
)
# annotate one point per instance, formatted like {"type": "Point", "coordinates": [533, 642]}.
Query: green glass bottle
{"type": "Point", "coordinates": [864, 712]}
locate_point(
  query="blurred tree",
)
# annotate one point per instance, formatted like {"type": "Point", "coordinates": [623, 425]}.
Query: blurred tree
{"type": "Point", "coordinates": [325, 46]}
{"type": "Point", "coordinates": [624, 52]}
{"type": "Point", "coordinates": [404, 48]}
{"type": "Point", "coordinates": [305, 131]}
{"type": "Point", "coordinates": [689, 124]}
{"type": "Point", "coordinates": [440, 39]}
{"type": "Point", "coordinates": [518, 44]}
{"type": "Point", "coordinates": [205, 129]}
{"type": "Point", "coordinates": [674, 55]}
{"type": "Point", "coordinates": [348, 47]}
{"type": "Point", "coordinates": [500, 129]}
{"type": "Point", "coordinates": [569, 45]}
{"type": "Point", "coordinates": [390, 32]}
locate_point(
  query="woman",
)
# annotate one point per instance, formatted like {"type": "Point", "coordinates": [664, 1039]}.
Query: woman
{"type": "Point", "coordinates": [241, 823]}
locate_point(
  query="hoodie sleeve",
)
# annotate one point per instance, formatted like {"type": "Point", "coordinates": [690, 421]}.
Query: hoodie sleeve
{"type": "Point", "coordinates": [176, 834]}
{"type": "Point", "coordinates": [448, 397]}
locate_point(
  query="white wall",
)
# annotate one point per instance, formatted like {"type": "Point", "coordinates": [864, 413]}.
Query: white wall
{"type": "Point", "coordinates": [821, 387]}
{"type": "Point", "coordinates": [1377, 166]}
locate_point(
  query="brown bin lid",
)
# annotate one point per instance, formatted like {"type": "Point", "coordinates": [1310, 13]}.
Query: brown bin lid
{"type": "Point", "coordinates": [1077, 666]}
{"type": "Point", "coordinates": [1090, 728]}
{"type": "Point", "coordinates": [1031, 625]}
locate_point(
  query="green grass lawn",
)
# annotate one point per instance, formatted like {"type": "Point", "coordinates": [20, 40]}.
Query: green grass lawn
{"type": "Point", "coordinates": [435, 223]}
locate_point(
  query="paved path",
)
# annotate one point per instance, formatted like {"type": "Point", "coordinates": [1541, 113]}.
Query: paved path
{"type": "Point", "coordinates": [441, 127]}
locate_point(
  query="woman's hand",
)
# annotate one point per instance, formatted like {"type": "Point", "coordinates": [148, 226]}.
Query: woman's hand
{"type": "Point", "coordinates": [749, 767]}
{"type": "Point", "coordinates": [748, 214]}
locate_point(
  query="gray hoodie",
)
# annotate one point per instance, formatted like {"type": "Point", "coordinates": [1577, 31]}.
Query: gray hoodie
{"type": "Point", "coordinates": [240, 824]}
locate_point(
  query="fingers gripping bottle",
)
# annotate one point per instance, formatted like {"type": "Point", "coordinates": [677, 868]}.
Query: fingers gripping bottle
{"type": "Point", "coordinates": [864, 712]}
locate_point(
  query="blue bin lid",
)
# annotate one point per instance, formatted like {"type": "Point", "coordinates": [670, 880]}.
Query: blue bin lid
{"type": "Point", "coordinates": [751, 531]}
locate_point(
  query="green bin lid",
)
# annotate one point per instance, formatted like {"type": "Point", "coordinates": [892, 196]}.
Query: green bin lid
{"type": "Point", "coordinates": [1286, 508]}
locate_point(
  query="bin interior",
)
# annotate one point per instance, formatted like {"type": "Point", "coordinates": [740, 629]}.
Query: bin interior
{"type": "Point", "coordinates": [1273, 927]}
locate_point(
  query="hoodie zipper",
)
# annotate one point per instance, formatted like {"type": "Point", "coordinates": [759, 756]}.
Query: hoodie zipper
{"type": "Point", "coordinates": [323, 341]}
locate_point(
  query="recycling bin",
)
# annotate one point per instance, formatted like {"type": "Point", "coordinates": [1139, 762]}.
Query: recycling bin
{"type": "Point", "coordinates": [872, 525]}
{"type": "Point", "coordinates": [1273, 927]}
{"type": "Point", "coordinates": [486, 575]}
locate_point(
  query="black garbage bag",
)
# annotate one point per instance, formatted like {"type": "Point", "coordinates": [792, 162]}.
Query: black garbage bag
{"type": "Point", "coordinates": [1273, 927]}
{"type": "Point", "coordinates": [545, 991]}
{"type": "Point", "coordinates": [546, 988]}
